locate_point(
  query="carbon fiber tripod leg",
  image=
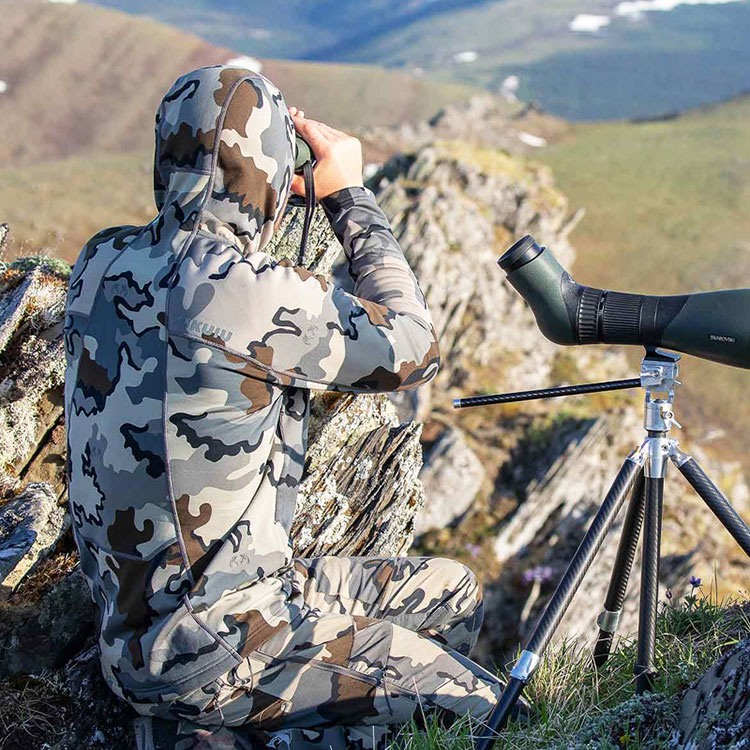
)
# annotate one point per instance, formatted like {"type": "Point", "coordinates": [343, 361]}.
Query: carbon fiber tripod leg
{"type": "Point", "coordinates": [566, 589]}
{"type": "Point", "coordinates": [713, 497]}
{"type": "Point", "coordinates": [618, 582]}
{"type": "Point", "coordinates": [645, 669]}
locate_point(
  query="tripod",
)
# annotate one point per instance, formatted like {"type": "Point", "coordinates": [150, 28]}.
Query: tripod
{"type": "Point", "coordinates": [643, 472]}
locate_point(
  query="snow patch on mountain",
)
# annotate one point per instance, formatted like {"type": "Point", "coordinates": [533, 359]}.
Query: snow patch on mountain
{"type": "Point", "coordinates": [636, 7]}
{"type": "Point", "coordinates": [588, 23]}
{"type": "Point", "coordinates": [509, 89]}
{"type": "Point", "coordinates": [536, 141]}
{"type": "Point", "coordinates": [467, 56]}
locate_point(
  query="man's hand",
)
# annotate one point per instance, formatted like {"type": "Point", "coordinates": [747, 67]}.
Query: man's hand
{"type": "Point", "coordinates": [338, 156]}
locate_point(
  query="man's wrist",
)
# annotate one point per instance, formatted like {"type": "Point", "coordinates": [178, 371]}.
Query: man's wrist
{"type": "Point", "coordinates": [345, 198]}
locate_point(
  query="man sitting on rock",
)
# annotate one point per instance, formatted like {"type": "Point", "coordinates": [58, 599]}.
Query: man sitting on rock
{"type": "Point", "coordinates": [191, 356]}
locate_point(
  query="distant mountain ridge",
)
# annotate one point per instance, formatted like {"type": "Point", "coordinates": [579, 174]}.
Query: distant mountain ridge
{"type": "Point", "coordinates": [582, 59]}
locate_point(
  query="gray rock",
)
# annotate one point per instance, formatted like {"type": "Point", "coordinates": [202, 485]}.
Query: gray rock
{"type": "Point", "coordinates": [101, 721]}
{"type": "Point", "coordinates": [566, 478]}
{"type": "Point", "coordinates": [537, 540]}
{"type": "Point", "coordinates": [715, 711]}
{"type": "Point", "coordinates": [451, 475]}
{"type": "Point", "coordinates": [361, 487]}
{"type": "Point", "coordinates": [42, 636]}
{"type": "Point", "coordinates": [30, 527]}
{"type": "Point", "coordinates": [453, 217]}
{"type": "Point", "coordinates": [32, 365]}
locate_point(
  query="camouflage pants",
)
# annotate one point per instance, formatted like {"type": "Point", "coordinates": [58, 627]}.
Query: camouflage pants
{"type": "Point", "coordinates": [382, 640]}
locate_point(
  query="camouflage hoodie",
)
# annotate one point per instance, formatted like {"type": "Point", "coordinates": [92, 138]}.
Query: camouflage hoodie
{"type": "Point", "coordinates": [190, 358]}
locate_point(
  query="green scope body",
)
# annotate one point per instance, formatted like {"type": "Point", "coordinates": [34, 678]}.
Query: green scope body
{"type": "Point", "coordinates": [711, 325]}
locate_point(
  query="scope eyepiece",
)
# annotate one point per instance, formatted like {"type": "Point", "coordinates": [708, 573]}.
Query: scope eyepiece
{"type": "Point", "coordinates": [523, 252]}
{"type": "Point", "coordinates": [711, 325]}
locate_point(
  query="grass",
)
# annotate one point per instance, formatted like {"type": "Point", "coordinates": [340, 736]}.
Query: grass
{"type": "Point", "coordinates": [56, 207]}
{"type": "Point", "coordinates": [30, 713]}
{"type": "Point", "coordinates": [578, 708]}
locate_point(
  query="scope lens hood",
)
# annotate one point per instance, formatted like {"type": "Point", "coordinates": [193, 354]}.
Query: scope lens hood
{"type": "Point", "coordinates": [523, 252]}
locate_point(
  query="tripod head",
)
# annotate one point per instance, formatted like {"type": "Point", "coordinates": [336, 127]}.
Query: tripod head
{"type": "Point", "coordinates": [710, 325]}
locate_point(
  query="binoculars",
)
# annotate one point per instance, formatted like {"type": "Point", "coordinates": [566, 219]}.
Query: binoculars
{"type": "Point", "coordinates": [710, 325]}
{"type": "Point", "coordinates": [302, 154]}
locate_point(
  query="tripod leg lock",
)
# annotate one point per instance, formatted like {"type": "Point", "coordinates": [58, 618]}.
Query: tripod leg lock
{"type": "Point", "coordinates": [609, 621]}
{"type": "Point", "coordinates": [525, 666]}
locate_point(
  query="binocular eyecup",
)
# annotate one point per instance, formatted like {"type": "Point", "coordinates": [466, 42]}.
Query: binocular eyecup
{"type": "Point", "coordinates": [711, 325]}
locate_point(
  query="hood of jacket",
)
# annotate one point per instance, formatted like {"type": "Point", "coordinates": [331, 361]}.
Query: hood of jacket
{"type": "Point", "coordinates": [224, 156]}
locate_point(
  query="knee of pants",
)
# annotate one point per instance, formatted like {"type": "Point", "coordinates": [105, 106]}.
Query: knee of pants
{"type": "Point", "coordinates": [460, 580]}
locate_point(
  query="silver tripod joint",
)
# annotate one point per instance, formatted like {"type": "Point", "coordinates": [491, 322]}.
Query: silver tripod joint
{"type": "Point", "coordinates": [608, 621]}
{"type": "Point", "coordinates": [679, 457]}
{"type": "Point", "coordinates": [525, 666]}
{"type": "Point", "coordinates": [659, 371]}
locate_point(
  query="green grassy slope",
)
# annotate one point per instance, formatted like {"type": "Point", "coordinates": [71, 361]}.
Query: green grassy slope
{"type": "Point", "coordinates": [59, 205]}
{"type": "Point", "coordinates": [83, 86]}
{"type": "Point", "coordinates": [667, 212]}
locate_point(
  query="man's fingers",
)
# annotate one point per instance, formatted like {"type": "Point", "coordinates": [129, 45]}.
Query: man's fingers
{"type": "Point", "coordinates": [335, 133]}
{"type": "Point", "coordinates": [312, 131]}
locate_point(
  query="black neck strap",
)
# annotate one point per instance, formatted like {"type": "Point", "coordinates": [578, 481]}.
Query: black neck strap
{"type": "Point", "coordinates": [307, 173]}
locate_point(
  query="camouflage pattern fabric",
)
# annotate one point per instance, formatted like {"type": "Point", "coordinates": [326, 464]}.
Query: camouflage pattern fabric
{"type": "Point", "coordinates": [354, 668]}
{"type": "Point", "coordinates": [190, 357]}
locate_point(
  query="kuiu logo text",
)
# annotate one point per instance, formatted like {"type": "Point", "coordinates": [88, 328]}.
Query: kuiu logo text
{"type": "Point", "coordinates": [206, 329]}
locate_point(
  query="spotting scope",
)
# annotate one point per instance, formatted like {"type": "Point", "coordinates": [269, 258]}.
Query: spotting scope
{"type": "Point", "coordinates": [711, 325]}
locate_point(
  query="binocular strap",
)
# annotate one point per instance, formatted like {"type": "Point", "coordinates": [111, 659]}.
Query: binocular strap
{"type": "Point", "coordinates": [307, 173]}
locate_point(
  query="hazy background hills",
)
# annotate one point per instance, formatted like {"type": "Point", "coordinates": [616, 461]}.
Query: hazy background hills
{"type": "Point", "coordinates": [614, 62]}
{"type": "Point", "coordinates": [81, 86]}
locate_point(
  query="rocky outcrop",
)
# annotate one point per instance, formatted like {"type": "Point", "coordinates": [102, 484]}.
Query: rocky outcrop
{"type": "Point", "coordinates": [715, 711]}
{"type": "Point", "coordinates": [361, 489]}
{"type": "Point", "coordinates": [484, 120]}
{"type": "Point", "coordinates": [30, 527]}
{"type": "Point", "coordinates": [455, 208]}
{"type": "Point", "coordinates": [452, 475]}
{"type": "Point", "coordinates": [32, 297]}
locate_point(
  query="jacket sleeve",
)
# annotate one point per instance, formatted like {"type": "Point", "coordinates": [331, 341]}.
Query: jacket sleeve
{"type": "Point", "coordinates": [309, 333]}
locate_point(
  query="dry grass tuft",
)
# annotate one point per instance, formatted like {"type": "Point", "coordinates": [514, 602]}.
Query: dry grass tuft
{"type": "Point", "coordinates": [33, 713]}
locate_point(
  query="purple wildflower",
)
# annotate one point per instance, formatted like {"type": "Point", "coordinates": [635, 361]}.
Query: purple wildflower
{"type": "Point", "coordinates": [669, 594]}
{"type": "Point", "coordinates": [695, 582]}
{"type": "Point", "coordinates": [473, 550]}
{"type": "Point", "coordinates": [540, 573]}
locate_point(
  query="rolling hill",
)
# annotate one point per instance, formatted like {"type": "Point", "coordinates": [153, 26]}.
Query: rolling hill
{"type": "Point", "coordinates": [89, 80]}
{"type": "Point", "coordinates": [666, 200]}
{"type": "Point", "coordinates": [82, 85]}
{"type": "Point", "coordinates": [616, 61]}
